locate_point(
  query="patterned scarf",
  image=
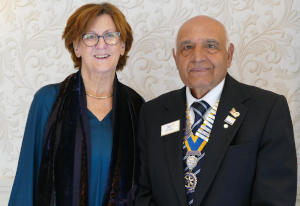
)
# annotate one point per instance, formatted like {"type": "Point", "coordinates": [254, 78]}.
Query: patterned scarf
{"type": "Point", "coordinates": [65, 165]}
{"type": "Point", "coordinates": [65, 160]}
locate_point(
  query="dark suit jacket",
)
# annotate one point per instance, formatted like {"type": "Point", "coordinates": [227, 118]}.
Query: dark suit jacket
{"type": "Point", "coordinates": [252, 162]}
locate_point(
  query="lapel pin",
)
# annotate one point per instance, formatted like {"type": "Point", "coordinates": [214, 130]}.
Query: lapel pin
{"type": "Point", "coordinates": [229, 120]}
{"type": "Point", "coordinates": [225, 126]}
{"type": "Point", "coordinates": [170, 128]}
{"type": "Point", "coordinates": [234, 113]}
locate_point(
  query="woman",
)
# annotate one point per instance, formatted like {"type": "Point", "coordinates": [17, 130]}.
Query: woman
{"type": "Point", "coordinates": [79, 141]}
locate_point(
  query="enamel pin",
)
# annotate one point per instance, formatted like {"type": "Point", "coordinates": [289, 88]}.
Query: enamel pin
{"type": "Point", "coordinates": [229, 120]}
{"type": "Point", "coordinates": [234, 113]}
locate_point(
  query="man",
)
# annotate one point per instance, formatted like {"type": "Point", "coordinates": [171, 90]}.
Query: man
{"type": "Point", "coordinates": [235, 149]}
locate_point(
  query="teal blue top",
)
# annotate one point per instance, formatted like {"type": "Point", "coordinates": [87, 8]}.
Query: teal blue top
{"type": "Point", "coordinates": [31, 152]}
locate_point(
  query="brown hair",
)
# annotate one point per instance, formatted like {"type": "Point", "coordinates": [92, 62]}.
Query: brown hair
{"type": "Point", "coordinates": [80, 19]}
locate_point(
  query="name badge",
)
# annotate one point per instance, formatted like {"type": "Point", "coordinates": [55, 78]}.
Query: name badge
{"type": "Point", "coordinates": [170, 128]}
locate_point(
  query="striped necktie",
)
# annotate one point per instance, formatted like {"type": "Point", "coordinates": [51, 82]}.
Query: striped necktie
{"type": "Point", "coordinates": [199, 109]}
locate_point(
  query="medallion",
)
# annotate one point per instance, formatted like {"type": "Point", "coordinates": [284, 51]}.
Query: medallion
{"type": "Point", "coordinates": [190, 181]}
{"type": "Point", "coordinates": [191, 162]}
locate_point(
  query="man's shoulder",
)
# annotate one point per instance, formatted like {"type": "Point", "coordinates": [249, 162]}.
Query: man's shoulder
{"type": "Point", "coordinates": [260, 93]}
{"type": "Point", "coordinates": [170, 96]}
{"type": "Point", "coordinates": [254, 91]}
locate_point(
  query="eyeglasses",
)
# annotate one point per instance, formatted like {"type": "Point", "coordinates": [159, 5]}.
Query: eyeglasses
{"type": "Point", "coordinates": [92, 39]}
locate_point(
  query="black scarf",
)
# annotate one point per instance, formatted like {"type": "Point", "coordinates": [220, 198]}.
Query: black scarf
{"type": "Point", "coordinates": [65, 165]}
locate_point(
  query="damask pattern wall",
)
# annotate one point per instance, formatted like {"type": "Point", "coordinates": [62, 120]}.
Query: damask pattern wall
{"type": "Point", "coordinates": [32, 54]}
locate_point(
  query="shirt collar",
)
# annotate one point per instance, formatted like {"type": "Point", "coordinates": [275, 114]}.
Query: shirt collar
{"type": "Point", "coordinates": [211, 97]}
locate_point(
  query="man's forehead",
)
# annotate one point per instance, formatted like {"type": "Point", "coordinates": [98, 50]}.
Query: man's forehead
{"type": "Point", "coordinates": [200, 37]}
{"type": "Point", "coordinates": [205, 40]}
{"type": "Point", "coordinates": [201, 26]}
{"type": "Point", "coordinates": [204, 21]}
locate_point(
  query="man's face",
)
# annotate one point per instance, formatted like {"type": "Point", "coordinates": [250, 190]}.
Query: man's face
{"type": "Point", "coordinates": [201, 55]}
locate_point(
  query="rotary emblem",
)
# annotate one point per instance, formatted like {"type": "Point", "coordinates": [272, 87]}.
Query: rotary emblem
{"type": "Point", "coordinates": [190, 181]}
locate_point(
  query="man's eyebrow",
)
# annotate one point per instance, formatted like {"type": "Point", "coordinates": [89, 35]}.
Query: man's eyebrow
{"type": "Point", "coordinates": [186, 42]}
{"type": "Point", "coordinates": [213, 41]}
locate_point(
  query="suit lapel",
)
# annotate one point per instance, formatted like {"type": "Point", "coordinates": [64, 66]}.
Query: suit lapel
{"type": "Point", "coordinates": [221, 137]}
{"type": "Point", "coordinates": [174, 109]}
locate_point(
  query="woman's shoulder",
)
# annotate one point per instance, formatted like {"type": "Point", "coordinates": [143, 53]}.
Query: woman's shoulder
{"type": "Point", "coordinates": [46, 96]}
{"type": "Point", "coordinates": [47, 91]}
{"type": "Point", "coordinates": [131, 93]}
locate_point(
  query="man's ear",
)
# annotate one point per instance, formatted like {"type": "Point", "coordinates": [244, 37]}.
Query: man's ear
{"type": "Point", "coordinates": [76, 49]}
{"type": "Point", "coordinates": [174, 55]}
{"type": "Point", "coordinates": [230, 54]}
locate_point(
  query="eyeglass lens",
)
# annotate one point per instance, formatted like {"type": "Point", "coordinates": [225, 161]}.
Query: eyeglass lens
{"type": "Point", "coordinates": [110, 38]}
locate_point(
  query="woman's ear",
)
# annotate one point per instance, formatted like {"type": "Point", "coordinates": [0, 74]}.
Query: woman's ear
{"type": "Point", "coordinates": [76, 49]}
{"type": "Point", "coordinates": [122, 48]}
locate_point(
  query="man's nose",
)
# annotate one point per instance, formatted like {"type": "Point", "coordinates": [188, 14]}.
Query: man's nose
{"type": "Point", "coordinates": [199, 53]}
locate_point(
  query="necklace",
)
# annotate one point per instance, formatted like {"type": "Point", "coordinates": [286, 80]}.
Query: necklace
{"type": "Point", "coordinates": [98, 97]}
{"type": "Point", "coordinates": [195, 144]}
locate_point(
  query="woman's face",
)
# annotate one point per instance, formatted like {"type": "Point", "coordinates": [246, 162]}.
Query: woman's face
{"type": "Point", "coordinates": [101, 57]}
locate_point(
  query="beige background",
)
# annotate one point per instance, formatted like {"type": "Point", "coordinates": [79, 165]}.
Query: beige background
{"type": "Point", "coordinates": [32, 54]}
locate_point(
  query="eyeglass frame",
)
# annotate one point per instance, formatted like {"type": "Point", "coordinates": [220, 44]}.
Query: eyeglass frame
{"type": "Point", "coordinates": [99, 36]}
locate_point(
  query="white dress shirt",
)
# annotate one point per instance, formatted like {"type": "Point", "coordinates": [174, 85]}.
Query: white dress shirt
{"type": "Point", "coordinates": [211, 98]}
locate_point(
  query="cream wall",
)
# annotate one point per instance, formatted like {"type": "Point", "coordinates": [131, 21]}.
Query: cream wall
{"type": "Point", "coordinates": [32, 54]}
